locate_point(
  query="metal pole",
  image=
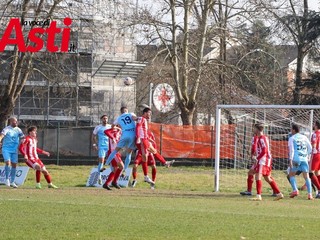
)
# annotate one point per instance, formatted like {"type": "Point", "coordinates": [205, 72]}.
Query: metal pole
{"type": "Point", "coordinates": [150, 94]}
{"type": "Point", "coordinates": [311, 123]}
{"type": "Point", "coordinates": [58, 143]}
{"type": "Point", "coordinates": [217, 150]}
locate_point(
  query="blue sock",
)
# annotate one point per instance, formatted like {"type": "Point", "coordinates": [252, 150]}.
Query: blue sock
{"type": "Point", "coordinates": [111, 156]}
{"type": "Point", "coordinates": [13, 174]}
{"type": "Point", "coordinates": [293, 183]}
{"type": "Point", "coordinates": [7, 171]}
{"type": "Point", "coordinates": [309, 187]}
{"type": "Point", "coordinates": [127, 161]}
{"type": "Point", "coordinates": [100, 167]}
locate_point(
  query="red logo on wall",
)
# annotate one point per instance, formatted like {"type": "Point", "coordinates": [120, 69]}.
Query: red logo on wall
{"type": "Point", "coordinates": [35, 36]}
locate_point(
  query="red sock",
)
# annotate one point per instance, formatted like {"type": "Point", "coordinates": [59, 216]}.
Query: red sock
{"type": "Point", "coordinates": [249, 183]}
{"type": "Point", "coordinates": [145, 168]}
{"type": "Point", "coordinates": [154, 173]}
{"type": "Point", "coordinates": [274, 187]}
{"type": "Point", "coordinates": [117, 175]}
{"type": "Point", "coordinates": [160, 158]}
{"type": "Point", "coordinates": [259, 186]}
{"type": "Point", "coordinates": [315, 181]}
{"type": "Point", "coordinates": [134, 173]}
{"type": "Point", "coordinates": [48, 178]}
{"type": "Point", "coordinates": [38, 176]}
{"type": "Point", "coordinates": [109, 180]}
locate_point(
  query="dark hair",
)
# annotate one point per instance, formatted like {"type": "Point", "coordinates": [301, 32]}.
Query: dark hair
{"type": "Point", "coordinates": [122, 109]}
{"type": "Point", "coordinates": [104, 115]}
{"type": "Point", "coordinates": [295, 127]}
{"type": "Point", "coordinates": [32, 128]}
{"type": "Point", "coordinates": [317, 123]}
{"type": "Point", "coordinates": [259, 126]}
{"type": "Point", "coordinates": [146, 110]}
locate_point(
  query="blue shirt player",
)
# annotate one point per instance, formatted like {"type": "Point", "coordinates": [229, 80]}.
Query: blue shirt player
{"type": "Point", "coordinates": [11, 136]}
{"type": "Point", "coordinates": [127, 140]}
{"type": "Point", "coordinates": [100, 142]}
{"type": "Point", "coordinates": [299, 151]}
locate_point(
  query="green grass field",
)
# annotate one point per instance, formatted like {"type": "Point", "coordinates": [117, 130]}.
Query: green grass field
{"type": "Point", "coordinates": [183, 206]}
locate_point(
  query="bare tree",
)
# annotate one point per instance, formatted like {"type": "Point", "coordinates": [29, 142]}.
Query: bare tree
{"type": "Point", "coordinates": [302, 25]}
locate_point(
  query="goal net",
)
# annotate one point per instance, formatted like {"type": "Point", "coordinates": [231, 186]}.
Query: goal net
{"type": "Point", "coordinates": [234, 132]}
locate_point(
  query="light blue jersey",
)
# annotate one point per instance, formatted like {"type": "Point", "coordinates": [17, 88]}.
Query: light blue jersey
{"type": "Point", "coordinates": [299, 148]}
{"type": "Point", "coordinates": [127, 124]}
{"type": "Point", "coordinates": [102, 137]}
{"type": "Point", "coordinates": [11, 139]}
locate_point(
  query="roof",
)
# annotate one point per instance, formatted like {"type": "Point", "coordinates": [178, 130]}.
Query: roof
{"type": "Point", "coordinates": [118, 69]}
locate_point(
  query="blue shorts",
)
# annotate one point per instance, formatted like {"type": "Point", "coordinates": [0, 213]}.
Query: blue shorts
{"type": "Point", "coordinates": [300, 166]}
{"type": "Point", "coordinates": [102, 152]}
{"type": "Point", "coordinates": [10, 156]}
{"type": "Point", "coordinates": [128, 141]}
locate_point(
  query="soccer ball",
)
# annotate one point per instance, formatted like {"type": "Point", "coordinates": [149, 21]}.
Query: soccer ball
{"type": "Point", "coordinates": [128, 81]}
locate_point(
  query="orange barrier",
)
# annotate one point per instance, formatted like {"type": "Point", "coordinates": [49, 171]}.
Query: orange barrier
{"type": "Point", "coordinates": [198, 142]}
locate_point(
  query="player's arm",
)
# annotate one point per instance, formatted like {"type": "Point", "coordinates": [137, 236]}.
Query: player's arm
{"type": "Point", "coordinates": [1, 137]}
{"type": "Point", "coordinates": [22, 148]}
{"type": "Point", "coordinates": [134, 117]}
{"type": "Point", "coordinates": [94, 139]}
{"type": "Point", "coordinates": [291, 151]}
{"type": "Point", "coordinates": [254, 149]}
{"type": "Point", "coordinates": [138, 130]}
{"type": "Point", "coordinates": [309, 146]}
{"type": "Point", "coordinates": [41, 151]}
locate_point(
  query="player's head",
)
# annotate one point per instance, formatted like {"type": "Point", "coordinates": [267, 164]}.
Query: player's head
{"type": "Point", "coordinates": [258, 128]}
{"type": "Point", "coordinates": [316, 125]}
{"type": "Point", "coordinates": [147, 113]}
{"type": "Point", "coordinates": [104, 119]}
{"type": "Point", "coordinates": [295, 129]}
{"type": "Point", "coordinates": [13, 122]}
{"type": "Point", "coordinates": [32, 131]}
{"type": "Point", "coordinates": [124, 110]}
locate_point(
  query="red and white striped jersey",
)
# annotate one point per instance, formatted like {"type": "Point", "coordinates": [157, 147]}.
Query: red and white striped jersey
{"type": "Point", "coordinates": [263, 151]}
{"type": "Point", "coordinates": [254, 145]}
{"type": "Point", "coordinates": [113, 134]}
{"type": "Point", "coordinates": [315, 142]}
{"type": "Point", "coordinates": [142, 128]}
{"type": "Point", "coordinates": [29, 147]}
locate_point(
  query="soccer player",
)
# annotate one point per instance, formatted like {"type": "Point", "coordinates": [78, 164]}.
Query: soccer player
{"type": "Point", "coordinates": [11, 136]}
{"type": "Point", "coordinates": [142, 141]}
{"type": "Point", "coordinates": [100, 142]}
{"type": "Point", "coordinates": [263, 163]}
{"type": "Point", "coordinates": [114, 135]}
{"type": "Point", "coordinates": [315, 158]}
{"type": "Point", "coordinates": [151, 163]}
{"type": "Point", "coordinates": [30, 151]}
{"type": "Point", "coordinates": [127, 123]}
{"type": "Point", "coordinates": [299, 151]}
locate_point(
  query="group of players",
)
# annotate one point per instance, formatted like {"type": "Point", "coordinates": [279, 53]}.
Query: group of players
{"type": "Point", "coordinates": [300, 150]}
{"type": "Point", "coordinates": [130, 132]}
{"type": "Point", "coordinates": [14, 140]}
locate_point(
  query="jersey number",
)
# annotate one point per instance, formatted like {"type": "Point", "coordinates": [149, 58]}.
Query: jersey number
{"type": "Point", "coordinates": [301, 145]}
{"type": "Point", "coordinates": [126, 120]}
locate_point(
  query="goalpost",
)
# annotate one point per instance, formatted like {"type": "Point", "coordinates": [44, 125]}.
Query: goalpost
{"type": "Point", "coordinates": [234, 132]}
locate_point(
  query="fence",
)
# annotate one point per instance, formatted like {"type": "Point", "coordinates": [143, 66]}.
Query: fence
{"type": "Point", "coordinates": [187, 144]}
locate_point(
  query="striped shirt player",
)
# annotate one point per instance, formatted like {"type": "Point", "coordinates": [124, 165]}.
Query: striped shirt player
{"type": "Point", "coordinates": [263, 163]}
{"type": "Point", "coordinates": [100, 142]}
{"type": "Point", "coordinates": [143, 143]}
{"type": "Point", "coordinates": [314, 173]}
{"type": "Point", "coordinates": [11, 136]}
{"type": "Point", "coordinates": [29, 149]}
{"type": "Point", "coordinates": [114, 135]}
{"type": "Point", "coordinates": [299, 151]}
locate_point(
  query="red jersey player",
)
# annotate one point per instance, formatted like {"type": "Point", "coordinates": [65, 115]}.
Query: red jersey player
{"type": "Point", "coordinates": [153, 154]}
{"type": "Point", "coordinates": [263, 163]}
{"type": "Point", "coordinates": [315, 159]}
{"type": "Point", "coordinates": [114, 135]}
{"type": "Point", "coordinates": [29, 150]}
{"type": "Point", "coordinates": [142, 141]}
